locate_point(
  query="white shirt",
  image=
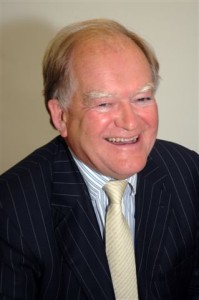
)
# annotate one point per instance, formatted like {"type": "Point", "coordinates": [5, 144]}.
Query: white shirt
{"type": "Point", "coordinates": [95, 183]}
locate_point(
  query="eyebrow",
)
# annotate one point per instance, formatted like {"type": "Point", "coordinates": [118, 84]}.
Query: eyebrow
{"type": "Point", "coordinates": [97, 94]}
{"type": "Point", "coordinates": [91, 95]}
{"type": "Point", "coordinates": [148, 87]}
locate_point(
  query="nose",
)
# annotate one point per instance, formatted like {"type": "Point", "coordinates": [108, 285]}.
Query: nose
{"type": "Point", "coordinates": [126, 117]}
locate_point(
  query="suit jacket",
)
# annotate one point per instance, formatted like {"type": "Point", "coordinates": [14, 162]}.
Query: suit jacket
{"type": "Point", "coordinates": [50, 243]}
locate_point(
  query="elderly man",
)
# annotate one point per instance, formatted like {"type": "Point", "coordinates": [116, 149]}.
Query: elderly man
{"type": "Point", "coordinates": [62, 234]}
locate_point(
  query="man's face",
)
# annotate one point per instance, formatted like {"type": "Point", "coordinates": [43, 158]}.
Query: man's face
{"type": "Point", "coordinates": [111, 123]}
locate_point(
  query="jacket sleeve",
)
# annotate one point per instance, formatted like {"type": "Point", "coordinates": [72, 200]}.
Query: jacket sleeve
{"type": "Point", "coordinates": [194, 283]}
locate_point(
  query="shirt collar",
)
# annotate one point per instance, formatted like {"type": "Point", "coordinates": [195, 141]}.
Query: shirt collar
{"type": "Point", "coordinates": [95, 181]}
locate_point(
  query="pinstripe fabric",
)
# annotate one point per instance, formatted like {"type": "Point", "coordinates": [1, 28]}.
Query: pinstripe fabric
{"type": "Point", "coordinates": [167, 211]}
{"type": "Point", "coordinates": [50, 242]}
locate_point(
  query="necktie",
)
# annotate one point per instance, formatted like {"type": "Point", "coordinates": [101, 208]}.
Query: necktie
{"type": "Point", "coordinates": [119, 246]}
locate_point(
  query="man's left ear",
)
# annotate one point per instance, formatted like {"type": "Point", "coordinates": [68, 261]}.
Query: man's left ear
{"type": "Point", "coordinates": [58, 116]}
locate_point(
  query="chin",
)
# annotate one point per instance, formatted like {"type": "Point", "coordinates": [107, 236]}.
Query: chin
{"type": "Point", "coordinates": [125, 174]}
{"type": "Point", "coordinates": [130, 167]}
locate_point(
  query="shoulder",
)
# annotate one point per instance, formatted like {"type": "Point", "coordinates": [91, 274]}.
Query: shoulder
{"type": "Point", "coordinates": [174, 157]}
{"type": "Point", "coordinates": [36, 167]}
{"type": "Point", "coordinates": [30, 182]}
{"type": "Point", "coordinates": [171, 149]}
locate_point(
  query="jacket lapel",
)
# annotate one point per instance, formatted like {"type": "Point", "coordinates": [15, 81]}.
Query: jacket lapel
{"type": "Point", "coordinates": [77, 232]}
{"type": "Point", "coordinates": [153, 202]}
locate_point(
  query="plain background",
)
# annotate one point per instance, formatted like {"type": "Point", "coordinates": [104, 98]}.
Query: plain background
{"type": "Point", "coordinates": [26, 27]}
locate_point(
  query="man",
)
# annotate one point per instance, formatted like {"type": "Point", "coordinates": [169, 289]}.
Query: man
{"type": "Point", "coordinates": [99, 86]}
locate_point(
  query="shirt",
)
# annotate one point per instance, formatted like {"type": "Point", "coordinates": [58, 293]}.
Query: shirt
{"type": "Point", "coordinates": [95, 182]}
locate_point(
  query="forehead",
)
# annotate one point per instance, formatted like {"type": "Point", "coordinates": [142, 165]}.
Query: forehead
{"type": "Point", "coordinates": [104, 45]}
{"type": "Point", "coordinates": [109, 63]}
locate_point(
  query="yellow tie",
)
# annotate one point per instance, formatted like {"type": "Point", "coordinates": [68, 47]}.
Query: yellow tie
{"type": "Point", "coordinates": [119, 246]}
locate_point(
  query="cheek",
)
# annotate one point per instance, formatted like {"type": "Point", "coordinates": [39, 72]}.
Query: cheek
{"type": "Point", "coordinates": [151, 117]}
{"type": "Point", "coordinates": [155, 119]}
{"type": "Point", "coordinates": [95, 123]}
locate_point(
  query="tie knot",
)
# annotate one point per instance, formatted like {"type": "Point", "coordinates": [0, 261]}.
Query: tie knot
{"type": "Point", "coordinates": [115, 190]}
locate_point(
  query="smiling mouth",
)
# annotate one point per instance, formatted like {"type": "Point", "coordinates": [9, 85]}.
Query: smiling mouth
{"type": "Point", "coordinates": [117, 140]}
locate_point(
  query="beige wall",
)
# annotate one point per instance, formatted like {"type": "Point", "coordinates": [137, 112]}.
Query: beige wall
{"type": "Point", "coordinates": [26, 27]}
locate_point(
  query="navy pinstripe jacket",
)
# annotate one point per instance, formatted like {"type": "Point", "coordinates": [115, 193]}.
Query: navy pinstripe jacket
{"type": "Point", "coordinates": [50, 243]}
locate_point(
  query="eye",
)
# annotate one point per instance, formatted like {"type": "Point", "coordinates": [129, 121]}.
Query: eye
{"type": "Point", "coordinates": [103, 104]}
{"type": "Point", "coordinates": [143, 101]}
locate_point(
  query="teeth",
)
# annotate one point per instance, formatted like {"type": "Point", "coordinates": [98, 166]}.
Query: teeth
{"type": "Point", "coordinates": [123, 140]}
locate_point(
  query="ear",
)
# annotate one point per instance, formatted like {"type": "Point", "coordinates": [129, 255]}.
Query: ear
{"type": "Point", "coordinates": [58, 116]}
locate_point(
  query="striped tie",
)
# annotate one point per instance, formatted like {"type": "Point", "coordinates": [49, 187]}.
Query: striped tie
{"type": "Point", "coordinates": [119, 246]}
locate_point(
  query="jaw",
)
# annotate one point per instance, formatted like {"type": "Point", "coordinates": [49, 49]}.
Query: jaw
{"type": "Point", "coordinates": [121, 163]}
{"type": "Point", "coordinates": [125, 168]}
{"type": "Point", "coordinates": [122, 160]}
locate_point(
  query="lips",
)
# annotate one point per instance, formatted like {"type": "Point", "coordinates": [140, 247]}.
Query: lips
{"type": "Point", "coordinates": [121, 140]}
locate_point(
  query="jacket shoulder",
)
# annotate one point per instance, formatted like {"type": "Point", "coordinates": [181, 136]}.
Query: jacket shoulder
{"type": "Point", "coordinates": [174, 157]}
{"type": "Point", "coordinates": [33, 173]}
{"type": "Point", "coordinates": [41, 158]}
